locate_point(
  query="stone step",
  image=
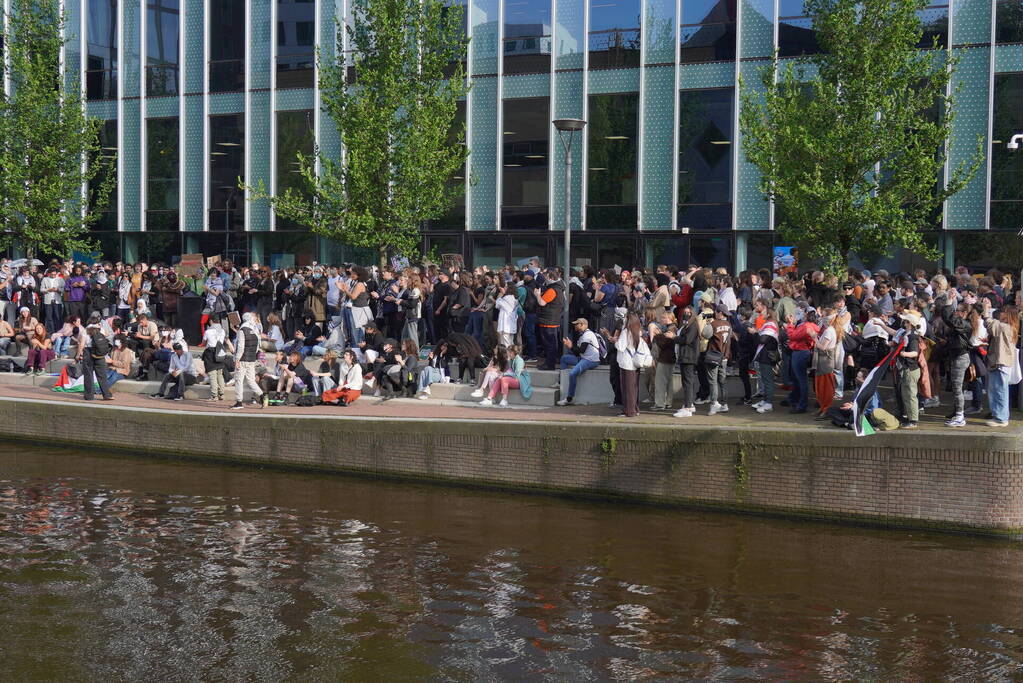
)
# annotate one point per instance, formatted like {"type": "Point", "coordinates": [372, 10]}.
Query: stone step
{"type": "Point", "coordinates": [541, 397]}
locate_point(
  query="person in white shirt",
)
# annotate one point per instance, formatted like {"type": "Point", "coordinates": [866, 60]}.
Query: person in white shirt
{"type": "Point", "coordinates": [52, 288]}
{"type": "Point", "coordinates": [507, 316]}
{"type": "Point", "coordinates": [585, 355]}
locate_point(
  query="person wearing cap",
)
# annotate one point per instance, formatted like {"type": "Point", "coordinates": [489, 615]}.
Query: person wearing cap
{"type": "Point", "coordinates": [907, 367]}
{"type": "Point", "coordinates": [584, 355]}
{"type": "Point", "coordinates": [718, 333]}
{"type": "Point", "coordinates": [181, 374]}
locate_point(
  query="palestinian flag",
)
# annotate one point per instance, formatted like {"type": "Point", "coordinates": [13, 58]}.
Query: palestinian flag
{"type": "Point", "coordinates": [870, 386]}
{"type": "Point", "coordinates": [68, 385]}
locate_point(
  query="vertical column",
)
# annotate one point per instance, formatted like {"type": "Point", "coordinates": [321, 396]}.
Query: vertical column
{"type": "Point", "coordinates": [483, 114]}
{"type": "Point", "coordinates": [258, 114]}
{"type": "Point", "coordinates": [194, 160]}
{"type": "Point", "coordinates": [755, 50]}
{"type": "Point", "coordinates": [658, 124]}
{"type": "Point", "coordinates": [568, 101]}
{"type": "Point", "coordinates": [129, 114]}
{"type": "Point", "coordinates": [6, 6]}
{"type": "Point", "coordinates": [329, 13]}
{"type": "Point", "coordinates": [970, 24]}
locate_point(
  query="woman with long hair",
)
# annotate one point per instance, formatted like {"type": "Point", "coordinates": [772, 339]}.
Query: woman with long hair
{"type": "Point", "coordinates": [273, 338]}
{"type": "Point", "coordinates": [497, 367]}
{"type": "Point", "coordinates": [1001, 359]}
{"type": "Point", "coordinates": [826, 359]}
{"type": "Point", "coordinates": [766, 355]}
{"type": "Point", "coordinates": [40, 350]}
{"type": "Point", "coordinates": [515, 377]}
{"type": "Point", "coordinates": [630, 349]}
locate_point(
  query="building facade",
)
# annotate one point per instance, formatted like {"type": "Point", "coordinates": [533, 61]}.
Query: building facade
{"type": "Point", "coordinates": [197, 93]}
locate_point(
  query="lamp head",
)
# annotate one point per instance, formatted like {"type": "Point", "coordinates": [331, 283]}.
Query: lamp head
{"type": "Point", "coordinates": [1014, 142]}
{"type": "Point", "coordinates": [569, 125]}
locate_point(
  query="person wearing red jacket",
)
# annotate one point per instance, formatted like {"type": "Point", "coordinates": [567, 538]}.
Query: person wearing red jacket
{"type": "Point", "coordinates": [802, 338]}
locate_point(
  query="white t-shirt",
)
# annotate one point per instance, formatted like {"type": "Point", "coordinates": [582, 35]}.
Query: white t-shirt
{"type": "Point", "coordinates": [874, 329]}
{"type": "Point", "coordinates": [590, 346]}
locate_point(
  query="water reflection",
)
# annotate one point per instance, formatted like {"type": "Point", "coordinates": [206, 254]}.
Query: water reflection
{"type": "Point", "coordinates": [134, 569]}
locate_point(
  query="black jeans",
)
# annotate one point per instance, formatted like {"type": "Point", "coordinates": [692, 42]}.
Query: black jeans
{"type": "Point", "coordinates": [744, 376]}
{"type": "Point", "coordinates": [688, 371]}
{"type": "Point", "coordinates": [551, 343]}
{"type": "Point", "coordinates": [92, 365]}
{"type": "Point", "coordinates": [180, 382]}
{"type": "Point", "coordinates": [458, 323]}
{"type": "Point", "coordinates": [615, 373]}
{"type": "Point", "coordinates": [701, 375]}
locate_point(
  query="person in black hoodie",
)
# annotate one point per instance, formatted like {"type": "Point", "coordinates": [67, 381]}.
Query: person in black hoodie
{"type": "Point", "coordinates": [957, 348]}
{"type": "Point", "coordinates": [687, 343]}
{"type": "Point", "coordinates": [372, 344]}
{"type": "Point", "coordinates": [307, 335]}
{"type": "Point", "coordinates": [745, 347]}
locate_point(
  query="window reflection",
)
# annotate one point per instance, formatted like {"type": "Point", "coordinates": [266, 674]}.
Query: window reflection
{"type": "Point", "coordinates": [614, 39]}
{"type": "Point", "coordinates": [227, 45]}
{"type": "Point", "coordinates": [705, 159]}
{"type": "Point", "coordinates": [294, 136]}
{"type": "Point", "coordinates": [796, 36]}
{"type": "Point", "coordinates": [455, 216]}
{"type": "Point", "coordinates": [227, 166]}
{"type": "Point", "coordinates": [162, 171]}
{"type": "Point", "coordinates": [1009, 21]}
{"type": "Point", "coordinates": [934, 20]}
{"type": "Point", "coordinates": [707, 32]}
{"type": "Point", "coordinates": [612, 144]}
{"type": "Point", "coordinates": [1006, 164]}
{"type": "Point", "coordinates": [527, 36]}
{"type": "Point", "coordinates": [162, 34]}
{"type": "Point", "coordinates": [108, 152]}
{"type": "Point", "coordinates": [101, 51]}
{"type": "Point", "coordinates": [296, 43]}
{"type": "Point", "coordinates": [526, 135]}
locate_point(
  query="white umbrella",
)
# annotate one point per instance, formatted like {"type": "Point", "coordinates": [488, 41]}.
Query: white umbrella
{"type": "Point", "coordinates": [18, 263]}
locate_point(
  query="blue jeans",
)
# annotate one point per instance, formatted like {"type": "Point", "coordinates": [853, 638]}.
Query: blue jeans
{"type": "Point", "coordinates": [998, 394]}
{"type": "Point", "coordinates": [113, 377]}
{"type": "Point", "coordinates": [579, 365]}
{"type": "Point", "coordinates": [61, 346]}
{"type": "Point", "coordinates": [429, 375]}
{"type": "Point", "coordinates": [766, 371]}
{"type": "Point", "coordinates": [355, 334]}
{"type": "Point", "coordinates": [800, 383]}
{"type": "Point", "coordinates": [475, 328]}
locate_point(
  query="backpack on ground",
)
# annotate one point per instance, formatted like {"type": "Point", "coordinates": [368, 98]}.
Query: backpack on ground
{"type": "Point", "coordinates": [307, 401]}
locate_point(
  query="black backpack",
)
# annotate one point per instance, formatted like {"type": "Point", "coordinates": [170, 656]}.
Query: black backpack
{"type": "Point", "coordinates": [307, 400]}
{"type": "Point", "coordinates": [100, 345]}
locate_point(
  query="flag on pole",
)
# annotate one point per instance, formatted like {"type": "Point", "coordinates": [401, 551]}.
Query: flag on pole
{"type": "Point", "coordinates": [870, 385]}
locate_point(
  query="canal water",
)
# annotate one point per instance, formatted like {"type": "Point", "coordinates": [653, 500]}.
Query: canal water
{"type": "Point", "coordinates": [120, 568]}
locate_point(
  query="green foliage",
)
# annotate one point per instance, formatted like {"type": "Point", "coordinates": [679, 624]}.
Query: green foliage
{"type": "Point", "coordinates": [851, 142]}
{"type": "Point", "coordinates": [44, 136]}
{"type": "Point", "coordinates": [395, 123]}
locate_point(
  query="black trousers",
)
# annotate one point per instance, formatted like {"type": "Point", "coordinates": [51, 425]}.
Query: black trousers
{"type": "Point", "coordinates": [458, 323]}
{"type": "Point", "coordinates": [688, 371]}
{"type": "Point", "coordinates": [550, 341]}
{"type": "Point", "coordinates": [180, 382]}
{"type": "Point", "coordinates": [744, 376]}
{"type": "Point", "coordinates": [703, 378]}
{"type": "Point", "coordinates": [94, 365]}
{"type": "Point", "coordinates": [615, 373]}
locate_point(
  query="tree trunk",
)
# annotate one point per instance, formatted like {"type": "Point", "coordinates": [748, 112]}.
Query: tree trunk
{"type": "Point", "coordinates": [382, 256]}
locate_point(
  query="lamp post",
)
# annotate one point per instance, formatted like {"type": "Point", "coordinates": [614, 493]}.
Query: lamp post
{"type": "Point", "coordinates": [566, 128]}
{"type": "Point", "coordinates": [1015, 141]}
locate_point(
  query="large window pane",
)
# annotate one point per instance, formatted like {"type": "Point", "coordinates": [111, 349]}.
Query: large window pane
{"type": "Point", "coordinates": [527, 36]}
{"type": "Point", "coordinates": [227, 166]}
{"type": "Point", "coordinates": [162, 34]}
{"type": "Point", "coordinates": [108, 151]}
{"type": "Point", "coordinates": [711, 252]}
{"type": "Point", "coordinates": [525, 196]}
{"type": "Point", "coordinates": [162, 173]}
{"type": "Point", "coordinates": [227, 45]}
{"type": "Point", "coordinates": [454, 219]}
{"type": "Point", "coordinates": [1006, 164]}
{"type": "Point", "coordinates": [1009, 21]}
{"type": "Point", "coordinates": [101, 58]}
{"type": "Point", "coordinates": [294, 136]}
{"type": "Point", "coordinates": [935, 26]}
{"type": "Point", "coordinates": [707, 32]}
{"type": "Point", "coordinates": [614, 34]}
{"type": "Point", "coordinates": [796, 36]}
{"type": "Point", "coordinates": [705, 159]}
{"type": "Point", "coordinates": [612, 143]}
{"type": "Point", "coordinates": [489, 251]}
{"type": "Point", "coordinates": [296, 43]}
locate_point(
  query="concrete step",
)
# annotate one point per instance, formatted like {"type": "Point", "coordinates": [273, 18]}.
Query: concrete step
{"type": "Point", "coordinates": [542, 397]}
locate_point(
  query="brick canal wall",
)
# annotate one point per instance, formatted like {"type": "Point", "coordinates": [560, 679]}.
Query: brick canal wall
{"type": "Point", "coordinates": [949, 480]}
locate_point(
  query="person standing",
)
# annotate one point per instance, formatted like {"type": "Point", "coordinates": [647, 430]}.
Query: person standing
{"type": "Point", "coordinates": [957, 349]}
{"type": "Point", "coordinates": [245, 356]}
{"type": "Point", "coordinates": [908, 367]}
{"type": "Point", "coordinates": [688, 353]}
{"type": "Point", "coordinates": [52, 288]}
{"type": "Point", "coordinates": [93, 357]}
{"type": "Point", "coordinates": [551, 303]}
{"type": "Point", "coordinates": [719, 335]}
{"type": "Point", "coordinates": [1001, 356]}
{"type": "Point", "coordinates": [801, 338]}
{"type": "Point", "coordinates": [633, 355]}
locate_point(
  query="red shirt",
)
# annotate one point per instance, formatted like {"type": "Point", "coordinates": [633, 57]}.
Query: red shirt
{"type": "Point", "coordinates": [799, 336]}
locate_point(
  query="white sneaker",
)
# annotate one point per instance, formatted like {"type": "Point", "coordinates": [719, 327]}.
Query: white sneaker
{"type": "Point", "coordinates": [715, 408]}
{"type": "Point", "coordinates": [765, 408]}
{"type": "Point", "coordinates": [683, 412]}
{"type": "Point", "coordinates": [503, 403]}
{"type": "Point", "coordinates": [477, 394]}
{"type": "Point", "coordinates": [486, 402]}
{"type": "Point", "coordinates": [564, 402]}
{"type": "Point", "coordinates": [723, 408]}
{"type": "Point", "coordinates": [426, 390]}
{"type": "Point", "coordinates": [756, 406]}
{"type": "Point", "coordinates": [701, 401]}
{"type": "Point", "coordinates": [423, 397]}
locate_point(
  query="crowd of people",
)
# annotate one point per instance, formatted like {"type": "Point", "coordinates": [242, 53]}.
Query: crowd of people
{"type": "Point", "coordinates": [804, 343]}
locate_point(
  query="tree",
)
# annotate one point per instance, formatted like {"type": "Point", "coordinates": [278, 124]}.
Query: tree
{"type": "Point", "coordinates": [394, 116]}
{"type": "Point", "coordinates": [45, 135]}
{"type": "Point", "coordinates": [851, 142]}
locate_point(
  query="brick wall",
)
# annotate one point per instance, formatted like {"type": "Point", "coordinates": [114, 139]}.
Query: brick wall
{"type": "Point", "coordinates": [947, 480]}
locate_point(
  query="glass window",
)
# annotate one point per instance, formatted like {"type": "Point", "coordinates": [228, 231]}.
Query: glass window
{"type": "Point", "coordinates": [489, 251]}
{"type": "Point", "coordinates": [934, 20]}
{"type": "Point", "coordinates": [1007, 164]}
{"type": "Point", "coordinates": [705, 159]}
{"type": "Point", "coordinates": [454, 219]}
{"type": "Point", "coordinates": [227, 45]}
{"type": "Point", "coordinates": [667, 251]}
{"type": "Point", "coordinates": [527, 36]}
{"type": "Point", "coordinates": [612, 143]}
{"type": "Point", "coordinates": [107, 151]}
{"type": "Point", "coordinates": [617, 251]}
{"type": "Point", "coordinates": [162, 33]}
{"type": "Point", "coordinates": [294, 136]}
{"type": "Point", "coordinates": [707, 33]}
{"type": "Point", "coordinates": [296, 43]}
{"type": "Point", "coordinates": [162, 173]}
{"type": "Point", "coordinates": [101, 58]}
{"type": "Point", "coordinates": [711, 252]}
{"type": "Point", "coordinates": [529, 247]}
{"type": "Point", "coordinates": [1009, 21]}
{"type": "Point", "coordinates": [796, 36]}
{"type": "Point", "coordinates": [614, 34]}
{"type": "Point", "coordinates": [227, 166]}
{"type": "Point", "coordinates": [526, 135]}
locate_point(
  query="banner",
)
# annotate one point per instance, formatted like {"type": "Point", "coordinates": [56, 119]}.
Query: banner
{"type": "Point", "coordinates": [785, 260]}
{"type": "Point", "coordinates": [190, 263]}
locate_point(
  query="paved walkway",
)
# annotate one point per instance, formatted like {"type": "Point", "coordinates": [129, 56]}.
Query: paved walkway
{"type": "Point", "coordinates": [739, 415]}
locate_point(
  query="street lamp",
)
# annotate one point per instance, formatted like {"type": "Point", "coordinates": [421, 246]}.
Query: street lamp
{"type": "Point", "coordinates": [566, 128]}
{"type": "Point", "coordinates": [1015, 141]}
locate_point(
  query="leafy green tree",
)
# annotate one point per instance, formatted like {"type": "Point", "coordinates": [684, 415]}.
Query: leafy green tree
{"type": "Point", "coordinates": [393, 111]}
{"type": "Point", "coordinates": [851, 141]}
{"type": "Point", "coordinates": [45, 135]}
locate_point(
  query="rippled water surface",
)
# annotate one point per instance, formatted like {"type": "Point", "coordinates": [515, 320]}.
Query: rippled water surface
{"type": "Point", "coordinates": [123, 568]}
